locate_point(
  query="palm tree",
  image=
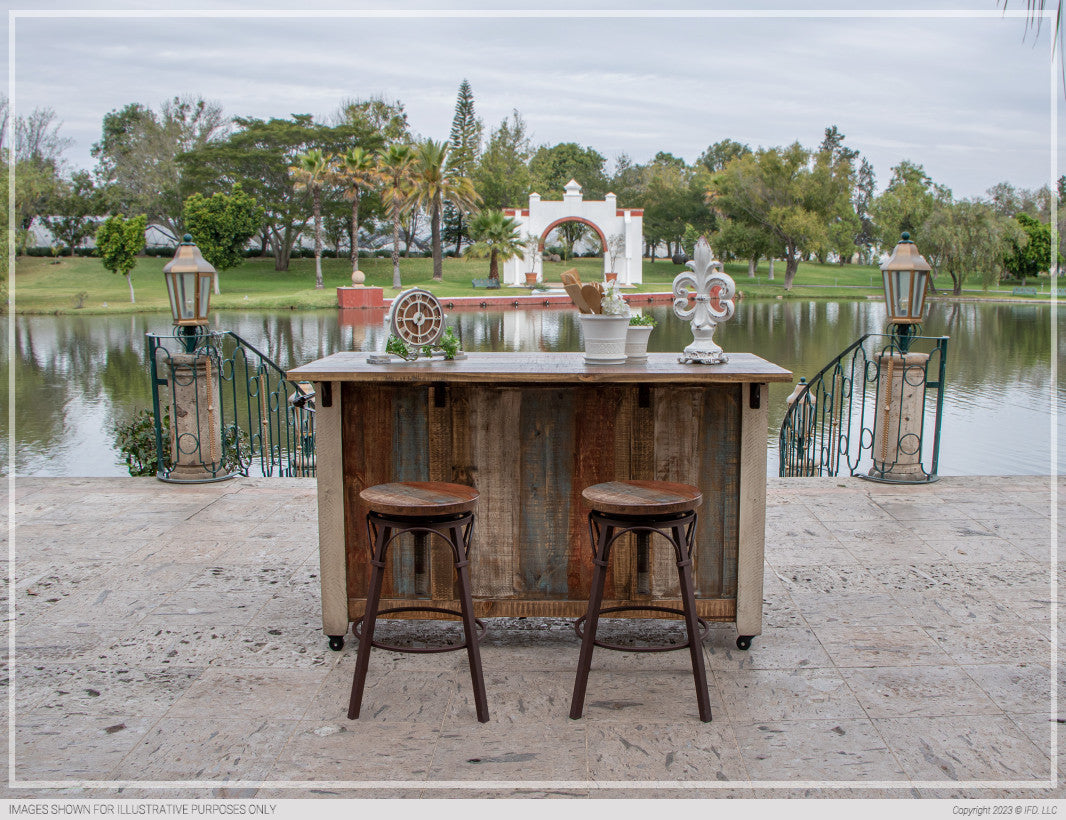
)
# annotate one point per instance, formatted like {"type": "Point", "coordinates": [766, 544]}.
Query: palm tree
{"type": "Point", "coordinates": [354, 169]}
{"type": "Point", "coordinates": [310, 172]}
{"type": "Point", "coordinates": [432, 185]}
{"type": "Point", "coordinates": [393, 170]}
{"type": "Point", "coordinates": [494, 235]}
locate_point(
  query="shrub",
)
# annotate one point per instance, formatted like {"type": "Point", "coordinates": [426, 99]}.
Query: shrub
{"type": "Point", "coordinates": [135, 441]}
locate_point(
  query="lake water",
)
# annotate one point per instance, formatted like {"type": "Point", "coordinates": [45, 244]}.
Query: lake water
{"type": "Point", "coordinates": [75, 377]}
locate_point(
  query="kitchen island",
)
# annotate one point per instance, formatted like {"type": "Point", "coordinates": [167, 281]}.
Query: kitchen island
{"type": "Point", "coordinates": [530, 431]}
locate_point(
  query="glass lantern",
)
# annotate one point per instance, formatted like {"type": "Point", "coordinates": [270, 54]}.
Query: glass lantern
{"type": "Point", "coordinates": [189, 280]}
{"type": "Point", "coordinates": [906, 279]}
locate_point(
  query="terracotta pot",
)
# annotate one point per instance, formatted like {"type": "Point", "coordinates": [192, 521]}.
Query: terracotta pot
{"type": "Point", "coordinates": [611, 277]}
{"type": "Point", "coordinates": [637, 342]}
{"type": "Point", "coordinates": [531, 279]}
{"type": "Point", "coordinates": [604, 337]}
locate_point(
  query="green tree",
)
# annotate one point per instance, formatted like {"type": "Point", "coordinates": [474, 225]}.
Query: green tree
{"type": "Point", "coordinates": [78, 206]}
{"type": "Point", "coordinates": [552, 168]}
{"type": "Point", "coordinates": [118, 242]}
{"type": "Point", "coordinates": [465, 148]}
{"type": "Point", "coordinates": [394, 175]}
{"type": "Point", "coordinates": [139, 150]}
{"type": "Point", "coordinates": [720, 154]}
{"type": "Point", "coordinates": [310, 173]}
{"type": "Point", "coordinates": [788, 192]}
{"type": "Point", "coordinates": [221, 225]}
{"type": "Point", "coordinates": [431, 184]}
{"type": "Point", "coordinates": [35, 153]}
{"type": "Point", "coordinates": [1029, 253]}
{"type": "Point", "coordinates": [844, 224]}
{"type": "Point", "coordinates": [385, 120]}
{"type": "Point", "coordinates": [744, 240]}
{"type": "Point", "coordinates": [906, 203]}
{"type": "Point", "coordinates": [258, 155]}
{"type": "Point", "coordinates": [495, 236]}
{"type": "Point", "coordinates": [501, 176]}
{"type": "Point", "coordinates": [673, 200]}
{"type": "Point", "coordinates": [865, 181]}
{"type": "Point", "coordinates": [967, 238]}
{"type": "Point", "coordinates": [354, 171]}
{"type": "Point", "coordinates": [628, 182]}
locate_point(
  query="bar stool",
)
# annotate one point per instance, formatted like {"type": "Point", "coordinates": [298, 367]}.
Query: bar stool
{"type": "Point", "coordinates": [429, 508]}
{"type": "Point", "coordinates": [619, 507]}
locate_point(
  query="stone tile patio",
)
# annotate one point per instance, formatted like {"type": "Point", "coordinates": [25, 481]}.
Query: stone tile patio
{"type": "Point", "coordinates": [167, 643]}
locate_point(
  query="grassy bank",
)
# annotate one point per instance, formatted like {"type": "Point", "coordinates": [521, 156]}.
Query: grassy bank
{"type": "Point", "coordinates": [82, 285]}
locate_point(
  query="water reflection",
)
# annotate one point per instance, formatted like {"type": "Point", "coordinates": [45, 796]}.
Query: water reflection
{"type": "Point", "coordinates": [76, 377]}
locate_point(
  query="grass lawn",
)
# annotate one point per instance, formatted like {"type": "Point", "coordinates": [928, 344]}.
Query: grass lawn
{"type": "Point", "coordinates": [42, 286]}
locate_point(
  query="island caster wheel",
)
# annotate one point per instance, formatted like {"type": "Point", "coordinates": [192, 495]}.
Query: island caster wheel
{"type": "Point", "coordinates": [336, 642]}
{"type": "Point", "coordinates": [744, 642]}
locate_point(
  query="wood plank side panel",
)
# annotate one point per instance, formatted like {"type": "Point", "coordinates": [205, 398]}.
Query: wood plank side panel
{"type": "Point", "coordinates": [678, 416]}
{"type": "Point", "coordinates": [331, 515]}
{"type": "Point", "coordinates": [730, 472]}
{"type": "Point", "coordinates": [716, 537]}
{"type": "Point", "coordinates": [752, 517]}
{"type": "Point", "coordinates": [441, 411]}
{"type": "Point", "coordinates": [546, 443]}
{"type": "Point", "coordinates": [367, 434]}
{"type": "Point", "coordinates": [592, 462]}
{"type": "Point", "coordinates": [621, 581]}
{"type": "Point", "coordinates": [490, 456]}
{"type": "Point", "coordinates": [410, 462]}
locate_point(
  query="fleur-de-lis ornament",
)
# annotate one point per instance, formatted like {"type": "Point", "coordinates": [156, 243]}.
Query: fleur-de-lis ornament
{"type": "Point", "coordinates": [714, 292]}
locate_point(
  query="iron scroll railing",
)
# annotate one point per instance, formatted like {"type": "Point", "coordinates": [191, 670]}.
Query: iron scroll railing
{"type": "Point", "coordinates": [238, 412]}
{"type": "Point", "coordinates": [848, 421]}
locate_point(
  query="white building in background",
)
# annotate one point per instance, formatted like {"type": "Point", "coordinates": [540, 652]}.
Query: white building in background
{"type": "Point", "coordinates": [603, 216]}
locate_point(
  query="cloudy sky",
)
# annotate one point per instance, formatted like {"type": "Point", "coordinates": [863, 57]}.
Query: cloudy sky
{"type": "Point", "coordinates": [963, 91]}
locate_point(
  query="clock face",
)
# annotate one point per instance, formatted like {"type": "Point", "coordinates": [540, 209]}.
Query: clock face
{"type": "Point", "coordinates": [416, 318]}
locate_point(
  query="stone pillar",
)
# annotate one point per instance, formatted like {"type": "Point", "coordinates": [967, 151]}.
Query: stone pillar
{"type": "Point", "coordinates": [897, 434]}
{"type": "Point", "coordinates": [195, 419]}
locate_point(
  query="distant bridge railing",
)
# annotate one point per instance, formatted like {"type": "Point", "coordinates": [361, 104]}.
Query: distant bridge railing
{"type": "Point", "coordinates": [263, 425]}
{"type": "Point", "coordinates": [845, 421]}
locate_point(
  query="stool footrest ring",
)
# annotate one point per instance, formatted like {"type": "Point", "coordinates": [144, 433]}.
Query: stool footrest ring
{"type": "Point", "coordinates": [619, 648]}
{"type": "Point", "coordinates": [482, 629]}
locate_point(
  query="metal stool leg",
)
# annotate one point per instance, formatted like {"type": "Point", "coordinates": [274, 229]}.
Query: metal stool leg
{"type": "Point", "coordinates": [599, 575]}
{"type": "Point", "coordinates": [682, 541]}
{"type": "Point", "coordinates": [460, 543]}
{"type": "Point", "coordinates": [373, 596]}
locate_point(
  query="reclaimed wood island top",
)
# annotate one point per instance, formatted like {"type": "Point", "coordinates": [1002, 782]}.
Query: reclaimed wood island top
{"type": "Point", "coordinates": [549, 368]}
{"type": "Point", "coordinates": [530, 431]}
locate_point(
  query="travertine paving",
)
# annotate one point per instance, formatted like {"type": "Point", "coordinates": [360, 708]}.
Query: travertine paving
{"type": "Point", "coordinates": [167, 642]}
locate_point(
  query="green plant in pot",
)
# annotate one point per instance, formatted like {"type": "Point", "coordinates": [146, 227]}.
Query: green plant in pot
{"type": "Point", "coordinates": [637, 334]}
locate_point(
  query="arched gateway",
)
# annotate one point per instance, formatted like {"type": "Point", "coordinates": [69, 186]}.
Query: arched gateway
{"type": "Point", "coordinates": [603, 216]}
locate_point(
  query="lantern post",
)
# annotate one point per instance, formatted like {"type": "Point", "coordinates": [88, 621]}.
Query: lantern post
{"type": "Point", "coordinates": [196, 441]}
{"type": "Point", "coordinates": [901, 374]}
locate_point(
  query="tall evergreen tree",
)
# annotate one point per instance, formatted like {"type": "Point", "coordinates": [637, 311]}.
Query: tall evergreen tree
{"type": "Point", "coordinates": [465, 148]}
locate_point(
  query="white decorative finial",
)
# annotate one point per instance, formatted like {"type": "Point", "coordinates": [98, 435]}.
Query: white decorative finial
{"type": "Point", "coordinates": [714, 292]}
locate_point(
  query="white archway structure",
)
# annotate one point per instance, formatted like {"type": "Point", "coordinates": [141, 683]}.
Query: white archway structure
{"type": "Point", "coordinates": [604, 216]}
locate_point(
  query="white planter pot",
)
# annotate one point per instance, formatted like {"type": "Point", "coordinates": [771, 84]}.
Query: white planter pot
{"type": "Point", "coordinates": [604, 337]}
{"type": "Point", "coordinates": [637, 342]}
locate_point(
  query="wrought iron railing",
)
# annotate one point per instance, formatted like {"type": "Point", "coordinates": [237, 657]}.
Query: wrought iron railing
{"type": "Point", "coordinates": [226, 408]}
{"type": "Point", "coordinates": [869, 413]}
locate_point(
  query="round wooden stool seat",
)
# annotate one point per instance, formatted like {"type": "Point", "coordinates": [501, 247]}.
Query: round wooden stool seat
{"type": "Point", "coordinates": [420, 498]}
{"type": "Point", "coordinates": [642, 497]}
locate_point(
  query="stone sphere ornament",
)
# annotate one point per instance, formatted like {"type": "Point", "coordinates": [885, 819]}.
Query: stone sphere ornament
{"type": "Point", "coordinates": [714, 291]}
{"type": "Point", "coordinates": [358, 277]}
